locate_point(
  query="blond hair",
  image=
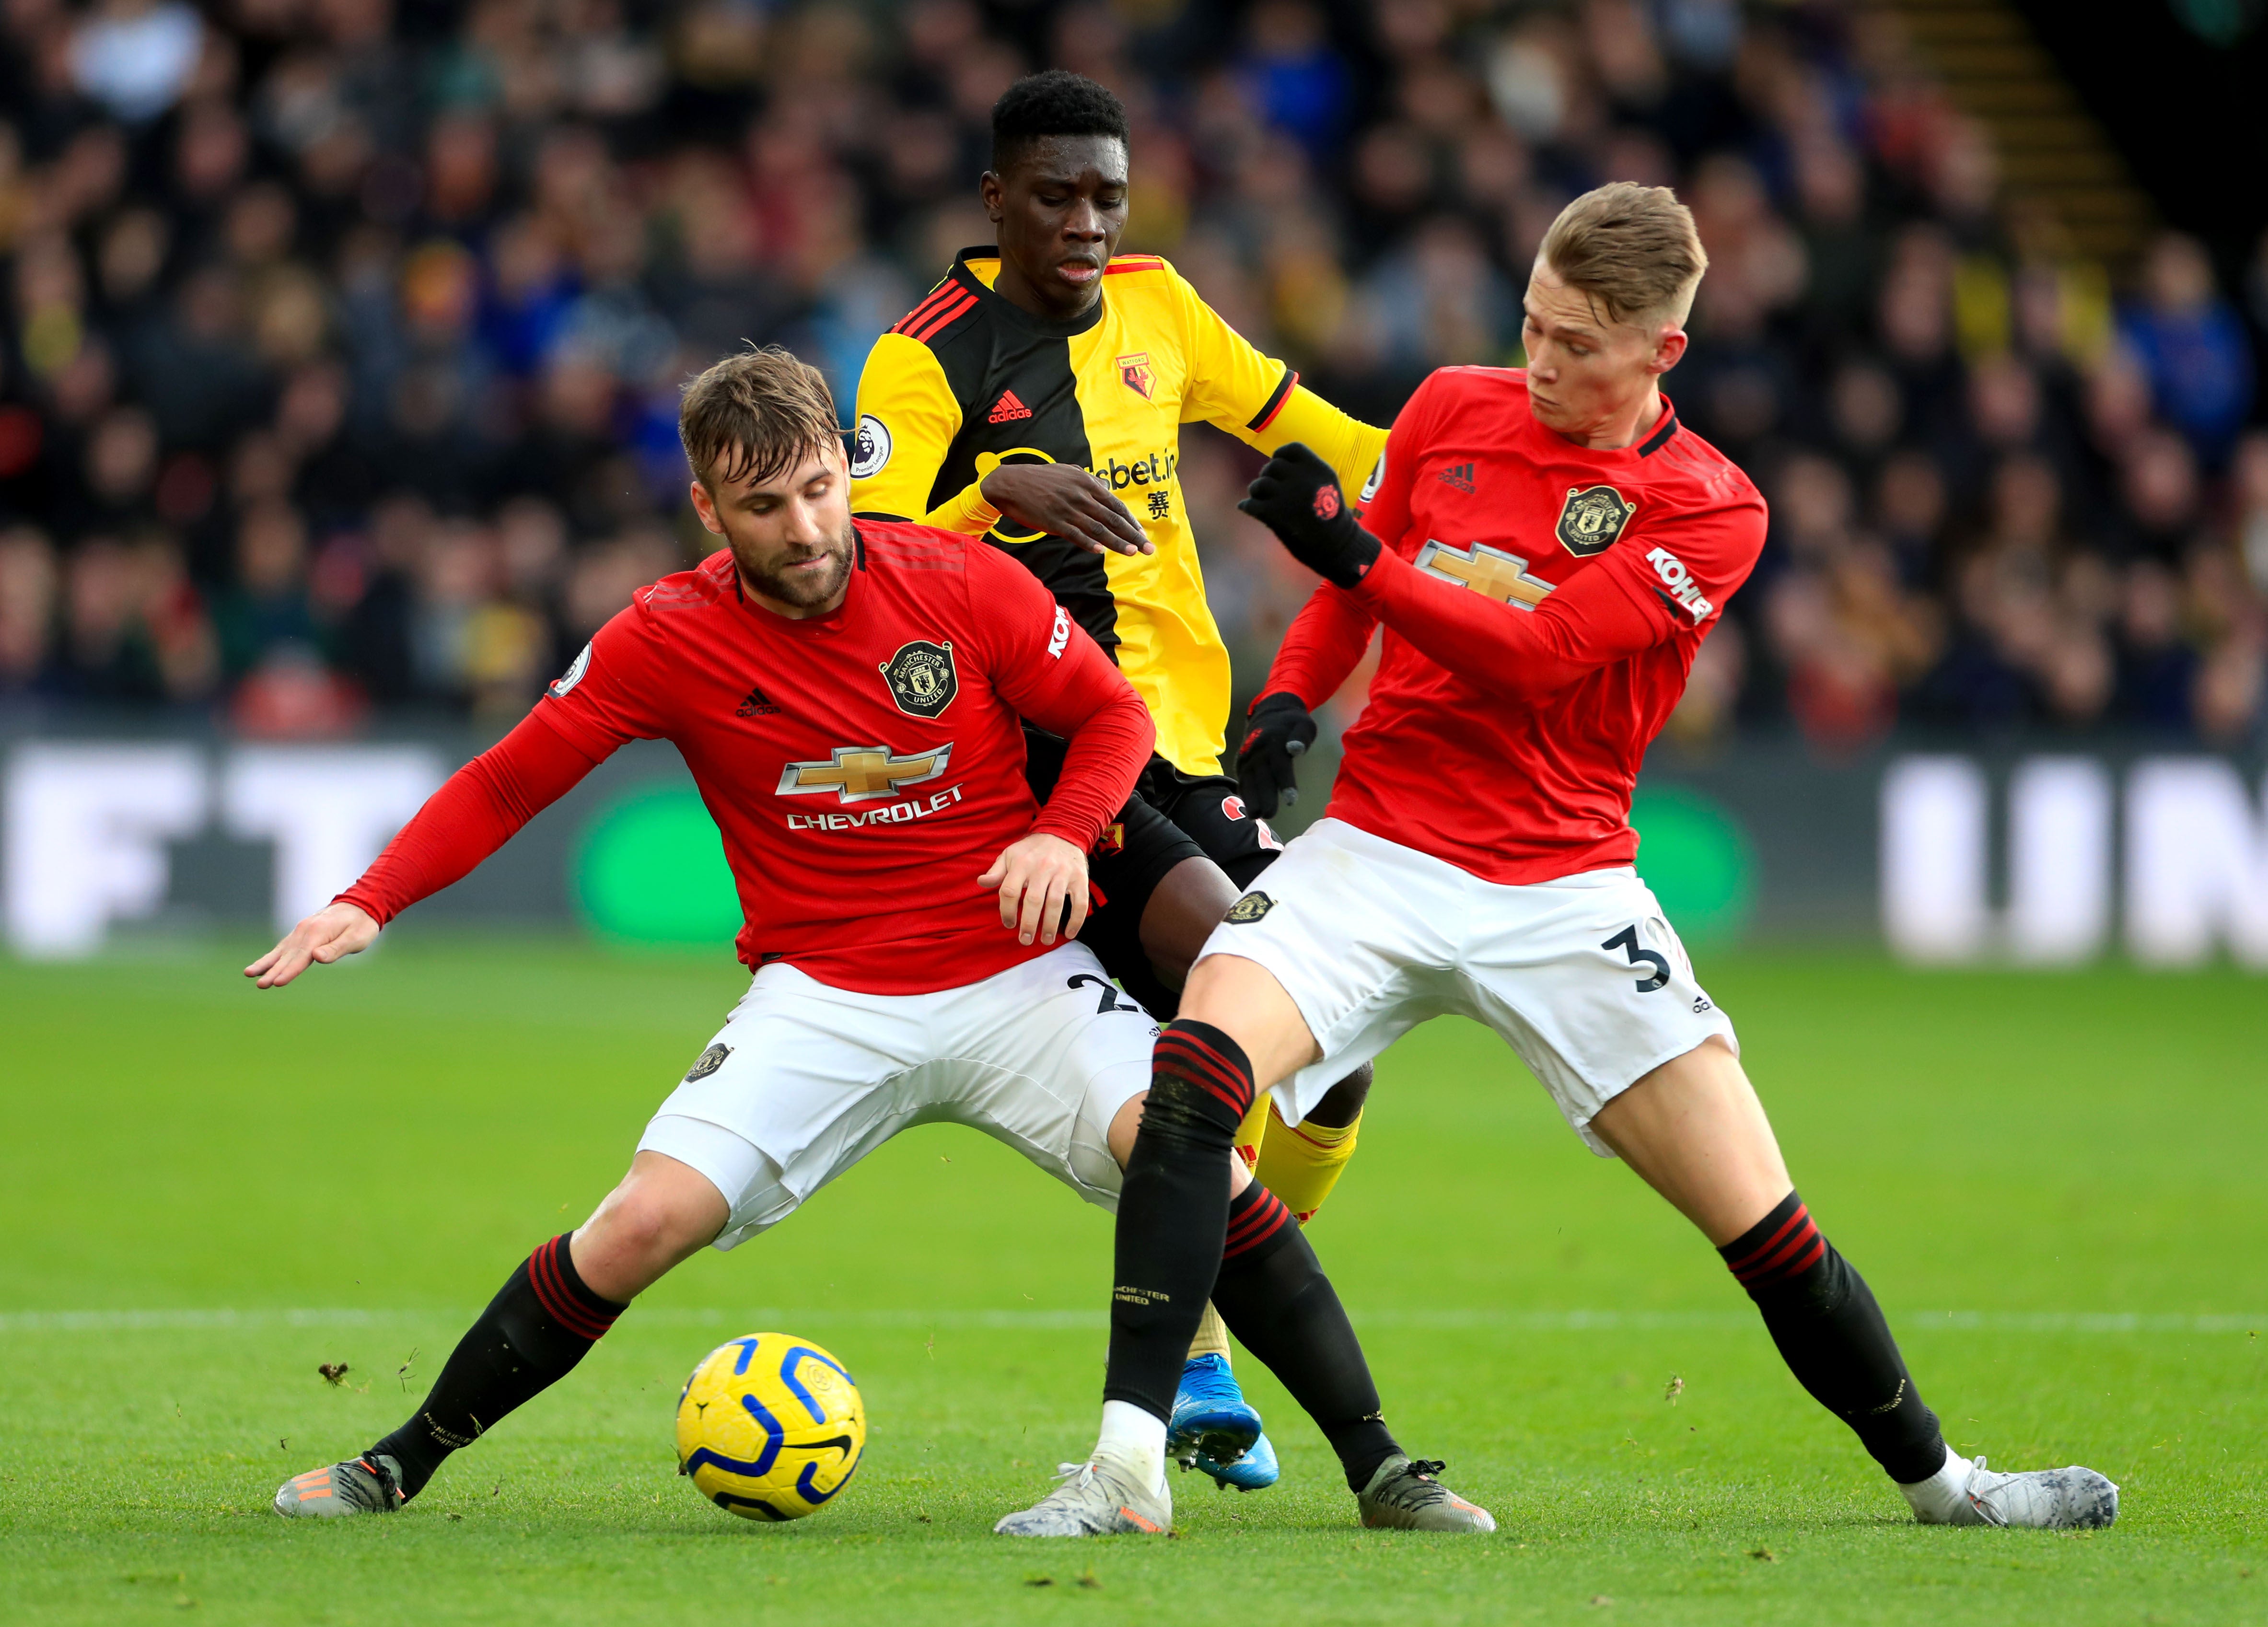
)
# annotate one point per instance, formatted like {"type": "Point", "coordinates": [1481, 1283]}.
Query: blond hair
{"type": "Point", "coordinates": [1632, 249]}
{"type": "Point", "coordinates": [755, 415]}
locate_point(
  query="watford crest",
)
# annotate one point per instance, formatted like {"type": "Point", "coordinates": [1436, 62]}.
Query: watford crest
{"type": "Point", "coordinates": [1135, 371]}
{"type": "Point", "coordinates": [921, 678]}
{"type": "Point", "coordinates": [1592, 517]}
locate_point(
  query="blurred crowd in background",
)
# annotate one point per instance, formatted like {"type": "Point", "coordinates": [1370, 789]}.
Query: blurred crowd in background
{"type": "Point", "coordinates": [341, 339]}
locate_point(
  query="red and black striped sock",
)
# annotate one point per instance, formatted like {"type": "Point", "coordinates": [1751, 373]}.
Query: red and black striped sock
{"type": "Point", "coordinates": [1272, 1293]}
{"type": "Point", "coordinates": [1834, 1338]}
{"type": "Point", "coordinates": [1172, 1210]}
{"type": "Point", "coordinates": [533, 1332]}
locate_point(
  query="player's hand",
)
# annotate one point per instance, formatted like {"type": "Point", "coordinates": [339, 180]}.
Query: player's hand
{"type": "Point", "coordinates": [331, 933]}
{"type": "Point", "coordinates": [1040, 878]}
{"type": "Point", "coordinates": [1297, 498]}
{"type": "Point", "coordinates": [1064, 500]}
{"type": "Point", "coordinates": [1278, 728]}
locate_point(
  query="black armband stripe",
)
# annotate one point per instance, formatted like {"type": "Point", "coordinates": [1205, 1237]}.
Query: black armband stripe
{"type": "Point", "coordinates": [1266, 416]}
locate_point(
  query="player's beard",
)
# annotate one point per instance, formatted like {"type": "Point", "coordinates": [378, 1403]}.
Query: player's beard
{"type": "Point", "coordinates": [805, 589]}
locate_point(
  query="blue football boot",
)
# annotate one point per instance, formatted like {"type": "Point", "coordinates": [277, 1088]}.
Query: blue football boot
{"type": "Point", "coordinates": [1255, 1471]}
{"type": "Point", "coordinates": [1213, 1425]}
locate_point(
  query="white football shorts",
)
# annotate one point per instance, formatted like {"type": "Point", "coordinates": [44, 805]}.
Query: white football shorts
{"type": "Point", "coordinates": [805, 1079]}
{"type": "Point", "coordinates": [1581, 977]}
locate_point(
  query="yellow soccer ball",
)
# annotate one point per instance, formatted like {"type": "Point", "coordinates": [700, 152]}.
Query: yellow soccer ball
{"type": "Point", "coordinates": [770, 1427]}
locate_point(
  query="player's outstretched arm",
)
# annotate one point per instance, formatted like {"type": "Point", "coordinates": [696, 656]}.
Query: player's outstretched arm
{"type": "Point", "coordinates": [477, 810]}
{"type": "Point", "coordinates": [1260, 401]}
{"type": "Point", "coordinates": [1595, 620]}
{"type": "Point", "coordinates": [332, 933]}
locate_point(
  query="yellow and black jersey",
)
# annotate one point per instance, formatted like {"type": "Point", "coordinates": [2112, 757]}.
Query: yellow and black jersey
{"type": "Point", "coordinates": [969, 381]}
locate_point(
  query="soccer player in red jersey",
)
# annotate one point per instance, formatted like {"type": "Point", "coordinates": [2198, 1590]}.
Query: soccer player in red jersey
{"type": "Point", "coordinates": [1546, 547]}
{"type": "Point", "coordinates": [849, 700]}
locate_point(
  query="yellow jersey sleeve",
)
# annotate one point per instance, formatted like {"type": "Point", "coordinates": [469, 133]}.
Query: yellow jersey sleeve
{"type": "Point", "coordinates": [1351, 448]}
{"type": "Point", "coordinates": [907, 420]}
{"type": "Point", "coordinates": [1261, 400]}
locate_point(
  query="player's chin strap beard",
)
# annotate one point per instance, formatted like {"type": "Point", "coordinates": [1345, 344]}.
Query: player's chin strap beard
{"type": "Point", "coordinates": [771, 584]}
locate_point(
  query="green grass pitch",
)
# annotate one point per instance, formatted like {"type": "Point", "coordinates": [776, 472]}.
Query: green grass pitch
{"type": "Point", "coordinates": [2053, 1182]}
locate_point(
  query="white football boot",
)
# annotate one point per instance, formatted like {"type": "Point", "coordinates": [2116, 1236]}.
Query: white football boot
{"type": "Point", "coordinates": [2040, 1499]}
{"type": "Point", "coordinates": [1098, 1498]}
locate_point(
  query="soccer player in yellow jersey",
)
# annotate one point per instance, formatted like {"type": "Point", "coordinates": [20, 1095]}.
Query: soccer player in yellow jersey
{"type": "Point", "coordinates": [1036, 395]}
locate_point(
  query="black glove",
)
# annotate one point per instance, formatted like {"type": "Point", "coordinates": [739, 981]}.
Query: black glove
{"type": "Point", "coordinates": [1297, 498]}
{"type": "Point", "coordinates": [1279, 727]}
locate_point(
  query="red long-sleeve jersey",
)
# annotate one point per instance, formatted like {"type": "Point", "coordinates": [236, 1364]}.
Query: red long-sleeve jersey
{"type": "Point", "coordinates": [1543, 602]}
{"type": "Point", "coordinates": [865, 767]}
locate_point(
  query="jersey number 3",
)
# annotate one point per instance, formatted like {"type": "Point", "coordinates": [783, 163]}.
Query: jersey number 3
{"type": "Point", "coordinates": [1626, 940]}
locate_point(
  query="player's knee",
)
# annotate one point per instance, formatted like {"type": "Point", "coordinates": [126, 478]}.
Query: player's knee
{"type": "Point", "coordinates": [646, 1227]}
{"type": "Point", "coordinates": [1182, 1116]}
{"type": "Point", "coordinates": [1183, 908]}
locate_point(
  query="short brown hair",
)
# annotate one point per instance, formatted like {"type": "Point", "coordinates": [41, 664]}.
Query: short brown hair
{"type": "Point", "coordinates": [753, 416]}
{"type": "Point", "coordinates": [1631, 248]}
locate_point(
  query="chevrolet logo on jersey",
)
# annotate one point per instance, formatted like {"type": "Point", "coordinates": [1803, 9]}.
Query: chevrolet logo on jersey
{"type": "Point", "coordinates": [1490, 572]}
{"type": "Point", "coordinates": [860, 773]}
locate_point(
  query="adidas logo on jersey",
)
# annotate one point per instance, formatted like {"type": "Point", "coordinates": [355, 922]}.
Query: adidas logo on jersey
{"type": "Point", "coordinates": [757, 705]}
{"type": "Point", "coordinates": [1457, 475]}
{"type": "Point", "coordinates": [1007, 409]}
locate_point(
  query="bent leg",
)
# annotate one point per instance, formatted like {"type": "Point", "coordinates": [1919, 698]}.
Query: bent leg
{"type": "Point", "coordinates": [1239, 1027]}
{"type": "Point", "coordinates": [1694, 1131]}
{"type": "Point", "coordinates": [558, 1303]}
{"type": "Point", "coordinates": [1173, 1208]}
{"type": "Point", "coordinates": [662, 1214]}
{"type": "Point", "coordinates": [1183, 908]}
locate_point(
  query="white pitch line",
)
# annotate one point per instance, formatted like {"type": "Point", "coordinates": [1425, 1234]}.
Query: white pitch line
{"type": "Point", "coordinates": [1042, 1321]}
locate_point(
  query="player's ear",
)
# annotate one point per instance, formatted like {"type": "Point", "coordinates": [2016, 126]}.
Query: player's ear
{"type": "Point", "coordinates": [992, 192]}
{"type": "Point", "coordinates": [705, 506]}
{"type": "Point", "coordinates": [1668, 349]}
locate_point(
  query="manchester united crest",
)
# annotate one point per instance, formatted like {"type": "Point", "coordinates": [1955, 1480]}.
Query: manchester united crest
{"type": "Point", "coordinates": [921, 678]}
{"type": "Point", "coordinates": [1249, 908]}
{"type": "Point", "coordinates": [1592, 517]}
{"type": "Point", "coordinates": [712, 1059]}
{"type": "Point", "coordinates": [1135, 369]}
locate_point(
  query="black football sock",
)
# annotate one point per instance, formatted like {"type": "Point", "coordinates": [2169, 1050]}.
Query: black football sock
{"type": "Point", "coordinates": [533, 1332]}
{"type": "Point", "coordinates": [1173, 1210]}
{"type": "Point", "coordinates": [1833, 1335]}
{"type": "Point", "coordinates": [1274, 1298]}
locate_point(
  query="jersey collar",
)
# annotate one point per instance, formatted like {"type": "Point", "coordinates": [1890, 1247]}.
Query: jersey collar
{"type": "Point", "coordinates": [1662, 431]}
{"type": "Point", "coordinates": [1007, 310]}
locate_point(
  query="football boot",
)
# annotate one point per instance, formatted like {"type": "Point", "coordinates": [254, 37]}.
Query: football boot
{"type": "Point", "coordinates": [1097, 1498]}
{"type": "Point", "coordinates": [1404, 1496]}
{"type": "Point", "coordinates": [1255, 1471]}
{"type": "Point", "coordinates": [1212, 1420]}
{"type": "Point", "coordinates": [369, 1485]}
{"type": "Point", "coordinates": [2041, 1499]}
